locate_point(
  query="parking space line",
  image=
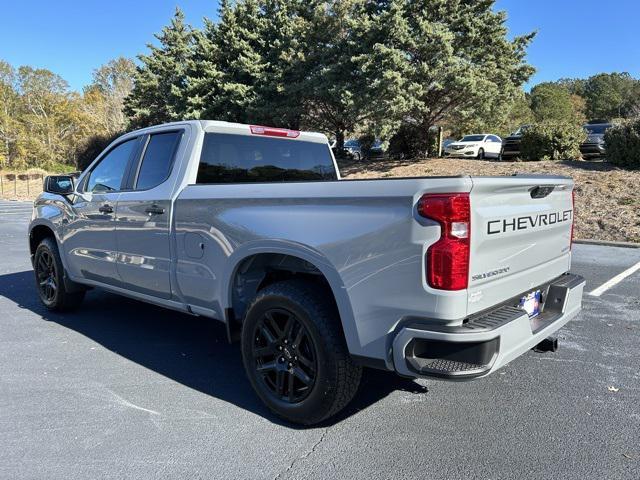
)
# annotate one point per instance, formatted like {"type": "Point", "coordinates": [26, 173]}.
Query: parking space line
{"type": "Point", "coordinates": [615, 280]}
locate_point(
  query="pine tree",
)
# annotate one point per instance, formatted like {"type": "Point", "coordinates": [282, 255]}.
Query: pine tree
{"type": "Point", "coordinates": [444, 59]}
{"type": "Point", "coordinates": [336, 93]}
{"type": "Point", "coordinates": [160, 91]}
{"type": "Point", "coordinates": [226, 66]}
{"type": "Point", "coordinates": [282, 53]}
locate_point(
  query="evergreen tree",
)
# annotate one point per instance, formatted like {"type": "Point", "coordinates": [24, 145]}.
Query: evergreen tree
{"type": "Point", "coordinates": [282, 49]}
{"type": "Point", "coordinates": [226, 66]}
{"type": "Point", "coordinates": [444, 59]}
{"type": "Point", "coordinates": [160, 91]}
{"type": "Point", "coordinates": [338, 96]}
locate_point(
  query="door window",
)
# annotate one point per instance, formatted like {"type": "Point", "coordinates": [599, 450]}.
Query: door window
{"type": "Point", "coordinates": [108, 174]}
{"type": "Point", "coordinates": [158, 158]}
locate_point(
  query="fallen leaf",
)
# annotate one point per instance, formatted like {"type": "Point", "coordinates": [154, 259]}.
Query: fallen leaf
{"type": "Point", "coordinates": [613, 389]}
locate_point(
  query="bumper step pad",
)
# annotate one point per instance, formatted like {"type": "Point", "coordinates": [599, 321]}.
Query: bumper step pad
{"type": "Point", "coordinates": [446, 368]}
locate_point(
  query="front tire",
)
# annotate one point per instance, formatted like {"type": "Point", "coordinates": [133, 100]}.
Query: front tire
{"type": "Point", "coordinates": [295, 354]}
{"type": "Point", "coordinates": [481, 154]}
{"type": "Point", "coordinates": [49, 273]}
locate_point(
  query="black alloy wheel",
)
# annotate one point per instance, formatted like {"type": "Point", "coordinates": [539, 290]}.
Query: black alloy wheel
{"type": "Point", "coordinates": [295, 353]}
{"type": "Point", "coordinates": [47, 276]}
{"type": "Point", "coordinates": [284, 355]}
{"type": "Point", "coordinates": [55, 292]}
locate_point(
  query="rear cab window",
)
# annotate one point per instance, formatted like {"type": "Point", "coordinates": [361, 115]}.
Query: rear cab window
{"type": "Point", "coordinates": [157, 159]}
{"type": "Point", "coordinates": [230, 158]}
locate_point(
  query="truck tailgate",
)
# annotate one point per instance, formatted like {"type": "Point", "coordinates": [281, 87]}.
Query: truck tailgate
{"type": "Point", "coordinates": [520, 236]}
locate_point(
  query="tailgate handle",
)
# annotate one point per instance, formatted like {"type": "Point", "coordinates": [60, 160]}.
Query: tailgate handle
{"type": "Point", "coordinates": [541, 191]}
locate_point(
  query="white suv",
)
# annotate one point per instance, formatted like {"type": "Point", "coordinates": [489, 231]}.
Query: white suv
{"type": "Point", "coordinates": [475, 146]}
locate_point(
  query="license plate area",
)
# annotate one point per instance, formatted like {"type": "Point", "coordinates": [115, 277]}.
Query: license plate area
{"type": "Point", "coordinates": [531, 303]}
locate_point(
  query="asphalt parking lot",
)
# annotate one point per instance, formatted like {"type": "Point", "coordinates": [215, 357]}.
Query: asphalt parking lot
{"type": "Point", "coordinates": [121, 389]}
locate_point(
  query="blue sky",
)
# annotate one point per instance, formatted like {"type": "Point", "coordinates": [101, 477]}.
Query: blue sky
{"type": "Point", "coordinates": [576, 38]}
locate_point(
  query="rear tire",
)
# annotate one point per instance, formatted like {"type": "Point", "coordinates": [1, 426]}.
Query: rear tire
{"type": "Point", "coordinates": [50, 281]}
{"type": "Point", "coordinates": [295, 354]}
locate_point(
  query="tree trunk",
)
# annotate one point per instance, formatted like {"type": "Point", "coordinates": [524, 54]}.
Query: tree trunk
{"type": "Point", "coordinates": [339, 140]}
{"type": "Point", "coordinates": [425, 139]}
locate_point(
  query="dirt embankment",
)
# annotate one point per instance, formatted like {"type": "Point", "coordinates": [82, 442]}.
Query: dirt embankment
{"type": "Point", "coordinates": [607, 198]}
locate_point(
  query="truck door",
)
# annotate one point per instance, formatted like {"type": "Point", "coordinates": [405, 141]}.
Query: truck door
{"type": "Point", "coordinates": [90, 236]}
{"type": "Point", "coordinates": [143, 218]}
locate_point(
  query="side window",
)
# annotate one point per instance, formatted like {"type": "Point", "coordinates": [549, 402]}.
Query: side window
{"type": "Point", "coordinates": [229, 158]}
{"type": "Point", "coordinates": [108, 174]}
{"type": "Point", "coordinates": [158, 159]}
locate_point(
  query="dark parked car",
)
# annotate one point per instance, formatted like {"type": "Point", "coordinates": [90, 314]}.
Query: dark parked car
{"type": "Point", "coordinates": [511, 144]}
{"type": "Point", "coordinates": [594, 145]}
{"type": "Point", "coordinates": [354, 147]}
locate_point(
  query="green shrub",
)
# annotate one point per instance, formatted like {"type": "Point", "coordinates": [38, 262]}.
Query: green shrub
{"type": "Point", "coordinates": [408, 142]}
{"type": "Point", "coordinates": [552, 141]}
{"type": "Point", "coordinates": [366, 144]}
{"type": "Point", "coordinates": [623, 144]}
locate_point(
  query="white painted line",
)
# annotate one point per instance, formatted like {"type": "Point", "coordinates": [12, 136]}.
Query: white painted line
{"type": "Point", "coordinates": [615, 280]}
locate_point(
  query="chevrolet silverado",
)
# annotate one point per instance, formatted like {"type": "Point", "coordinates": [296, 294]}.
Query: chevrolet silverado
{"type": "Point", "coordinates": [316, 276]}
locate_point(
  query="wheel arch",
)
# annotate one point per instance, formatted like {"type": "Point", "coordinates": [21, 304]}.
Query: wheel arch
{"type": "Point", "coordinates": [37, 233]}
{"type": "Point", "coordinates": [280, 256]}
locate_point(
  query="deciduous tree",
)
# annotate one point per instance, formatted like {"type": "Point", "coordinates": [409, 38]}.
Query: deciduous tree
{"type": "Point", "coordinates": [553, 102]}
{"type": "Point", "coordinates": [611, 95]}
{"type": "Point", "coordinates": [104, 98]}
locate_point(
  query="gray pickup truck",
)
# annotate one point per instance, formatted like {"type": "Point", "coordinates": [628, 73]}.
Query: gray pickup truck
{"type": "Point", "coordinates": [447, 277]}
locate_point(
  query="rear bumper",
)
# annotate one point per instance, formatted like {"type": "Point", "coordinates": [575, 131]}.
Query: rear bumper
{"type": "Point", "coordinates": [592, 149]}
{"type": "Point", "coordinates": [488, 341]}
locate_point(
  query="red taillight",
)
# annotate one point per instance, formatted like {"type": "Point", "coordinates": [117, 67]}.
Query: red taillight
{"type": "Point", "coordinates": [447, 260]}
{"type": "Point", "coordinates": [274, 132]}
{"type": "Point", "coordinates": [573, 216]}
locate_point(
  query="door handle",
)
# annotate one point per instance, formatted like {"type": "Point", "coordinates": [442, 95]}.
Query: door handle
{"type": "Point", "coordinates": [154, 210]}
{"type": "Point", "coordinates": [106, 208]}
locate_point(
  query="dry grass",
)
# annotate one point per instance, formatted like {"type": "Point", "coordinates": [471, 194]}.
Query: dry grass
{"type": "Point", "coordinates": [21, 185]}
{"type": "Point", "coordinates": [607, 198]}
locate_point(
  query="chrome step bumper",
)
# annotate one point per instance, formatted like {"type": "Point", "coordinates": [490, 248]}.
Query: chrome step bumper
{"type": "Point", "coordinates": [486, 341]}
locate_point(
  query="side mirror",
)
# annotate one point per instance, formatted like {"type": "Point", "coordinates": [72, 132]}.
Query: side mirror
{"type": "Point", "coordinates": [59, 184]}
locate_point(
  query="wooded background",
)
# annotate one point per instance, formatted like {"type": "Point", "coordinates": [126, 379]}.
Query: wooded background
{"type": "Point", "coordinates": [388, 69]}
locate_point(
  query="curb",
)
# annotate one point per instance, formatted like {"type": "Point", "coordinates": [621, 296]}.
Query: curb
{"type": "Point", "coordinates": [607, 243]}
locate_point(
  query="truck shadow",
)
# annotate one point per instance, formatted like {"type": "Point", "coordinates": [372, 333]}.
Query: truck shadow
{"type": "Point", "coordinates": [190, 350]}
